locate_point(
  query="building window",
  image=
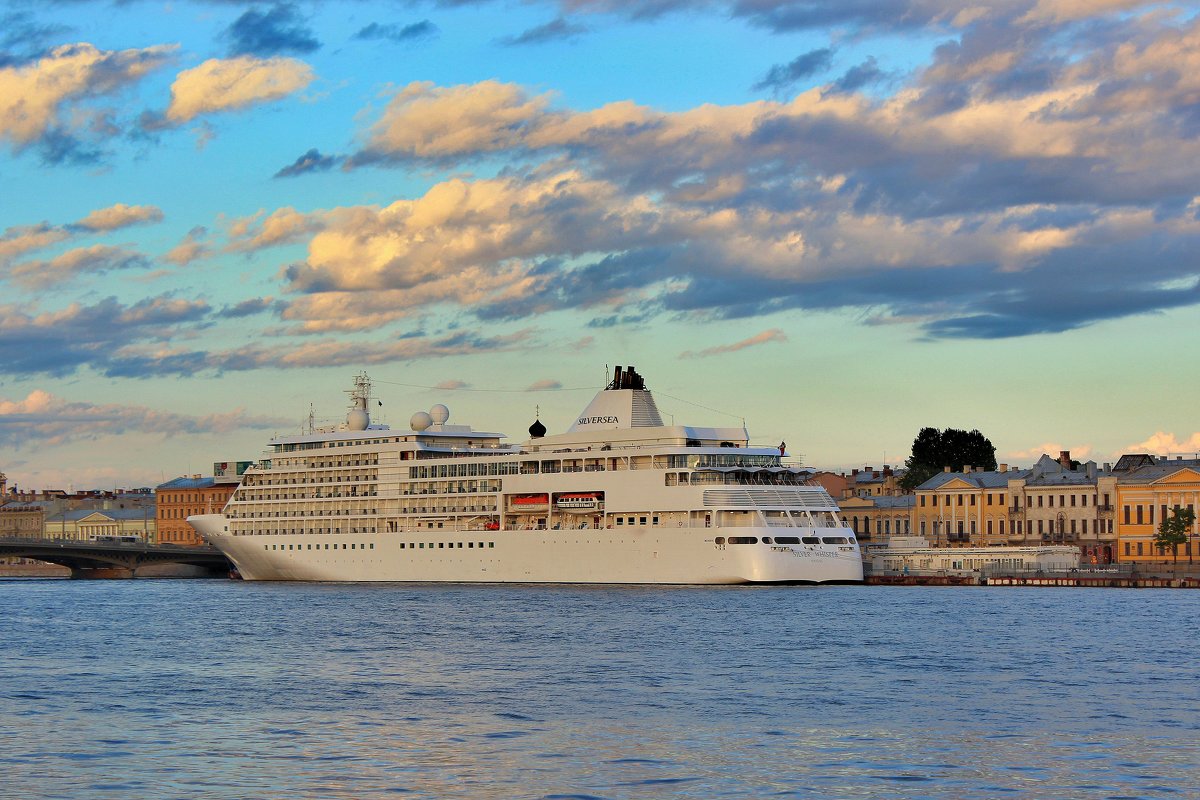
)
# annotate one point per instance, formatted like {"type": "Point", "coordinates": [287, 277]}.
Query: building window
{"type": "Point", "coordinates": [1140, 518]}
{"type": "Point", "coordinates": [1126, 516]}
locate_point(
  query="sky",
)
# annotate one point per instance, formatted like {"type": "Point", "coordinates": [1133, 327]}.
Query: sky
{"type": "Point", "coordinates": [838, 222]}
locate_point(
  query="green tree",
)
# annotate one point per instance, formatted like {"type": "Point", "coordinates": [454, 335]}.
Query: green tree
{"type": "Point", "coordinates": [1173, 531]}
{"type": "Point", "coordinates": [934, 450]}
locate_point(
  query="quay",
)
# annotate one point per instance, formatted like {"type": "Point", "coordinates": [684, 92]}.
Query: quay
{"type": "Point", "coordinates": [119, 559]}
{"type": "Point", "coordinates": [1125, 576]}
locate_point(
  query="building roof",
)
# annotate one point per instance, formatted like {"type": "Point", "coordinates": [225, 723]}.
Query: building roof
{"type": "Point", "coordinates": [77, 514]}
{"type": "Point", "coordinates": [1154, 472]}
{"type": "Point", "coordinates": [993, 479]}
{"type": "Point", "coordinates": [188, 483]}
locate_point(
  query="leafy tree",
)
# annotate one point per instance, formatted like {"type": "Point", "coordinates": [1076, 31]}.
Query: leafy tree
{"type": "Point", "coordinates": [1173, 531]}
{"type": "Point", "coordinates": [934, 450]}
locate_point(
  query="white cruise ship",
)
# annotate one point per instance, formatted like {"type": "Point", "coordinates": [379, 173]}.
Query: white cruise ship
{"type": "Point", "coordinates": [618, 498]}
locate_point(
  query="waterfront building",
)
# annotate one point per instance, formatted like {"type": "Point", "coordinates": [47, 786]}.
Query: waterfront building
{"type": "Point", "coordinates": [968, 507]}
{"type": "Point", "coordinates": [1060, 501]}
{"type": "Point", "coordinates": [1145, 495]}
{"type": "Point", "coordinates": [878, 518]}
{"type": "Point", "coordinates": [187, 496]}
{"type": "Point", "coordinates": [99, 524]}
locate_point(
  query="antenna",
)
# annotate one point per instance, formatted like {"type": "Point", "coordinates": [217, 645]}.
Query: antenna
{"type": "Point", "coordinates": [312, 426]}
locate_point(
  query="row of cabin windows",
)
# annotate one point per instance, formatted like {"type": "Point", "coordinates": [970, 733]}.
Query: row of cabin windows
{"type": "Point", "coordinates": [1141, 512]}
{"type": "Point", "coordinates": [784, 540]}
{"type": "Point", "coordinates": [371, 546]}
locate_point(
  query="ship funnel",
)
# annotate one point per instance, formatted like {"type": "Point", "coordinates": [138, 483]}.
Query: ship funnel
{"type": "Point", "coordinates": [624, 403]}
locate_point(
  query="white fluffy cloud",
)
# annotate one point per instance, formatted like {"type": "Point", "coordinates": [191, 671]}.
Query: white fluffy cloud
{"type": "Point", "coordinates": [1165, 443]}
{"type": "Point", "coordinates": [233, 83]}
{"type": "Point", "coordinates": [32, 96]}
{"type": "Point", "coordinates": [120, 215]}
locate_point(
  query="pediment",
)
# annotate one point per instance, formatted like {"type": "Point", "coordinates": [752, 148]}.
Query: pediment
{"type": "Point", "coordinates": [1182, 476]}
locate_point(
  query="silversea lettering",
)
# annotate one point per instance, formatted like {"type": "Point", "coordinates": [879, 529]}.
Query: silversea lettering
{"type": "Point", "coordinates": [598, 420]}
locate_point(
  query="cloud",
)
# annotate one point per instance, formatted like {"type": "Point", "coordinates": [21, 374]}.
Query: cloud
{"type": "Point", "coordinates": [248, 308]}
{"type": "Point", "coordinates": [228, 84]}
{"type": "Point", "coordinates": [44, 102]}
{"type": "Point", "coordinates": [1163, 443]}
{"type": "Point", "coordinates": [312, 161]}
{"type": "Point", "coordinates": [1079, 452]}
{"type": "Point", "coordinates": [544, 385]}
{"type": "Point", "coordinates": [282, 226]}
{"type": "Point", "coordinates": [399, 33]}
{"type": "Point", "coordinates": [120, 216]}
{"type": "Point", "coordinates": [278, 30]}
{"type": "Point", "coordinates": [17, 241]}
{"type": "Point", "coordinates": [784, 76]}
{"type": "Point", "coordinates": [452, 384]}
{"type": "Point", "coordinates": [558, 29]}
{"type": "Point", "coordinates": [772, 335]}
{"type": "Point", "coordinates": [59, 343]}
{"type": "Point", "coordinates": [75, 264]}
{"type": "Point", "coordinates": [46, 420]}
{"type": "Point", "coordinates": [190, 248]}
{"type": "Point", "coordinates": [1030, 164]}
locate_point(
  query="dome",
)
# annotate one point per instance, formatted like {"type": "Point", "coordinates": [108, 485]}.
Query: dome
{"type": "Point", "coordinates": [358, 420]}
{"type": "Point", "coordinates": [439, 414]}
{"type": "Point", "coordinates": [420, 421]}
{"type": "Point", "coordinates": [537, 430]}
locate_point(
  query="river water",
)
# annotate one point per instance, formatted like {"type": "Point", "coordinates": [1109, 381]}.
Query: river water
{"type": "Point", "coordinates": [218, 689]}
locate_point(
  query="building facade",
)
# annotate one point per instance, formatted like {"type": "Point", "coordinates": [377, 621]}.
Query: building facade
{"type": "Point", "coordinates": [878, 518]}
{"type": "Point", "coordinates": [1145, 496]}
{"type": "Point", "coordinates": [183, 497]}
{"type": "Point", "coordinates": [958, 509]}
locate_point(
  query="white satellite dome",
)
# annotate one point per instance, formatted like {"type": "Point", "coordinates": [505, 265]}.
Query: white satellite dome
{"type": "Point", "coordinates": [358, 420]}
{"type": "Point", "coordinates": [420, 421]}
{"type": "Point", "coordinates": [439, 414]}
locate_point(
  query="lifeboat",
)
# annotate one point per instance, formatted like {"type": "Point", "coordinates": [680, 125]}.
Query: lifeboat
{"type": "Point", "coordinates": [578, 502]}
{"type": "Point", "coordinates": [529, 502]}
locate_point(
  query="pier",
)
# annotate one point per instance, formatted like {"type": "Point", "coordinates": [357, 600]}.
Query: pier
{"type": "Point", "coordinates": [113, 559]}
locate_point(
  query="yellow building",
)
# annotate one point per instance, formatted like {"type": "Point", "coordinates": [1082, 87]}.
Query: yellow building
{"type": "Point", "coordinates": [878, 518]}
{"type": "Point", "coordinates": [1145, 496]}
{"type": "Point", "coordinates": [957, 509]}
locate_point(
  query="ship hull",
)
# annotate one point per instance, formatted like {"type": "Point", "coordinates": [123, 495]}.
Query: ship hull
{"type": "Point", "coordinates": [645, 556]}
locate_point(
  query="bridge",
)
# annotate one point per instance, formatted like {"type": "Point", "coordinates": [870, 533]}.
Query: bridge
{"type": "Point", "coordinates": [112, 559]}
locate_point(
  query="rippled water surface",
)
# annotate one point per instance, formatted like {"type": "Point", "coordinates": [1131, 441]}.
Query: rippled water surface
{"type": "Point", "coordinates": [215, 689]}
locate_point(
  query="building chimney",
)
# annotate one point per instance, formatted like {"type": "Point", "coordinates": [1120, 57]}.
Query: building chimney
{"type": "Point", "coordinates": [1064, 458]}
{"type": "Point", "coordinates": [853, 473]}
{"type": "Point", "coordinates": [945, 469]}
{"type": "Point", "coordinates": [967, 468]}
{"type": "Point", "coordinates": [1004, 467]}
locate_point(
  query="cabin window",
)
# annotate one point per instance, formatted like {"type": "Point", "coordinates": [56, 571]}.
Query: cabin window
{"type": "Point", "coordinates": [491, 544]}
{"type": "Point", "coordinates": [834, 540]}
{"type": "Point", "coordinates": [641, 520]}
{"type": "Point", "coordinates": [719, 540]}
{"type": "Point", "coordinates": [787, 540]}
{"type": "Point", "coordinates": [620, 520]}
{"type": "Point", "coordinates": [743, 540]}
{"type": "Point", "coordinates": [810, 540]}
{"type": "Point", "coordinates": [766, 540]}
